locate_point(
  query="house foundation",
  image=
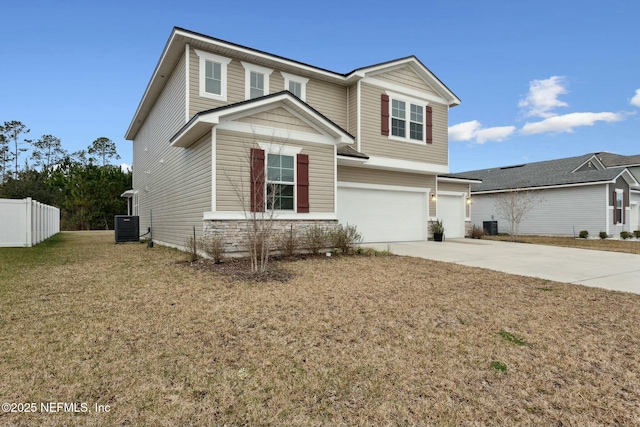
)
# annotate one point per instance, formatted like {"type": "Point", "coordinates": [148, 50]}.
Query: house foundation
{"type": "Point", "coordinates": [235, 232]}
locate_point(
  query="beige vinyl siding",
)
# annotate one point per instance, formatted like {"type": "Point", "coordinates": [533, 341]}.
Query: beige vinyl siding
{"type": "Point", "coordinates": [373, 143]}
{"type": "Point", "coordinates": [329, 99]}
{"type": "Point", "coordinates": [173, 184]}
{"type": "Point", "coordinates": [353, 110]}
{"type": "Point", "coordinates": [280, 118]}
{"type": "Point", "coordinates": [458, 188]}
{"type": "Point", "coordinates": [405, 76]}
{"type": "Point", "coordinates": [235, 86]}
{"type": "Point", "coordinates": [232, 170]}
{"type": "Point", "coordinates": [383, 177]}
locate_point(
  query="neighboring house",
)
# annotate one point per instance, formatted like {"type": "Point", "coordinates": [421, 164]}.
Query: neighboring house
{"type": "Point", "coordinates": [222, 125]}
{"type": "Point", "coordinates": [594, 192]}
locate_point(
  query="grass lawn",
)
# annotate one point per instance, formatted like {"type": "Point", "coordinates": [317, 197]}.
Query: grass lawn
{"type": "Point", "coordinates": [631, 246]}
{"type": "Point", "coordinates": [347, 341]}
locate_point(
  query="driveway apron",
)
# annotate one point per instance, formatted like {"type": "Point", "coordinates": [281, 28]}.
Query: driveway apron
{"type": "Point", "coordinates": [609, 270]}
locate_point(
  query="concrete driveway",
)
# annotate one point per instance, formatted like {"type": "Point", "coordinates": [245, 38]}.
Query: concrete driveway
{"type": "Point", "coordinates": [609, 270]}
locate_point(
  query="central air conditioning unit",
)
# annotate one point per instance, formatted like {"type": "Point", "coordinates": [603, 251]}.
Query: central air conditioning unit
{"type": "Point", "coordinates": [127, 228]}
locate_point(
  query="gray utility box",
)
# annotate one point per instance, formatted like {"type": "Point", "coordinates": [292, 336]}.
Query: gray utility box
{"type": "Point", "coordinates": [127, 228]}
{"type": "Point", "coordinates": [490, 228]}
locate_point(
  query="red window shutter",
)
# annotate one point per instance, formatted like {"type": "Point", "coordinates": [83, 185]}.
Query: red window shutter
{"type": "Point", "coordinates": [384, 115]}
{"type": "Point", "coordinates": [257, 180]}
{"type": "Point", "coordinates": [302, 183]}
{"type": "Point", "coordinates": [429, 118]}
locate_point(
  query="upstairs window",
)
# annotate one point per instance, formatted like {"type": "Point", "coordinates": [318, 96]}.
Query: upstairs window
{"type": "Point", "coordinates": [398, 118]}
{"type": "Point", "coordinates": [256, 85]}
{"type": "Point", "coordinates": [296, 85]}
{"type": "Point", "coordinates": [406, 119]}
{"type": "Point", "coordinates": [256, 80]}
{"type": "Point", "coordinates": [213, 75]}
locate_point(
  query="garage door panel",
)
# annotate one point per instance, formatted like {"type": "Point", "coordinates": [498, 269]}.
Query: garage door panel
{"type": "Point", "coordinates": [384, 215]}
{"type": "Point", "coordinates": [451, 211]}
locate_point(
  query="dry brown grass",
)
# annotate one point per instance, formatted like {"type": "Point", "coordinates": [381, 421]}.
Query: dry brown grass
{"type": "Point", "coordinates": [627, 246]}
{"type": "Point", "coordinates": [346, 341]}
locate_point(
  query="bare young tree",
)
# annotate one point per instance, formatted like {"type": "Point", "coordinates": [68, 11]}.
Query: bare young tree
{"type": "Point", "coordinates": [514, 206]}
{"type": "Point", "coordinates": [260, 200]}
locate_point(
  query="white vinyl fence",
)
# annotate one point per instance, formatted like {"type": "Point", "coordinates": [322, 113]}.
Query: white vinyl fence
{"type": "Point", "coordinates": [27, 222]}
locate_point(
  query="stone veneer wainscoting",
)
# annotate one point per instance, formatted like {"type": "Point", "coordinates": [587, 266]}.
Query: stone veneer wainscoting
{"type": "Point", "coordinates": [234, 231]}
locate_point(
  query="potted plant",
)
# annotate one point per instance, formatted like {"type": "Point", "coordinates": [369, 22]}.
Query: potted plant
{"type": "Point", "coordinates": [437, 228]}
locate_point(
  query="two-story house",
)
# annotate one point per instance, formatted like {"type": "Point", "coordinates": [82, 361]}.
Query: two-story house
{"type": "Point", "coordinates": [224, 130]}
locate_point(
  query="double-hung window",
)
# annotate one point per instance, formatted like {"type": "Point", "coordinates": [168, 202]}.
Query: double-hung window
{"type": "Point", "coordinates": [296, 85]}
{"type": "Point", "coordinates": [280, 182]}
{"type": "Point", "coordinates": [256, 80]}
{"type": "Point", "coordinates": [407, 120]}
{"type": "Point", "coordinates": [213, 75]}
{"type": "Point", "coordinates": [619, 207]}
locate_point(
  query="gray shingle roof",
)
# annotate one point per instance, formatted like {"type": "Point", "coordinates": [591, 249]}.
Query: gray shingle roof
{"type": "Point", "coordinates": [539, 174]}
{"type": "Point", "coordinates": [611, 159]}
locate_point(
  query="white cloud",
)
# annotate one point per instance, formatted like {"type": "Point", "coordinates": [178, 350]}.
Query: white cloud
{"type": "Point", "coordinates": [567, 122]}
{"type": "Point", "coordinates": [125, 167]}
{"type": "Point", "coordinates": [497, 133]}
{"type": "Point", "coordinates": [635, 101]}
{"type": "Point", "coordinates": [465, 131]}
{"type": "Point", "coordinates": [543, 97]}
{"type": "Point", "coordinates": [473, 130]}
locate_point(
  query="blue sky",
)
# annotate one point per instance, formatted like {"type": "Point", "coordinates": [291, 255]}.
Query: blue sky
{"type": "Point", "coordinates": [538, 80]}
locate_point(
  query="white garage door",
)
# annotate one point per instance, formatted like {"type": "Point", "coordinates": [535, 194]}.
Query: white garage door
{"type": "Point", "coordinates": [384, 215]}
{"type": "Point", "coordinates": [451, 212]}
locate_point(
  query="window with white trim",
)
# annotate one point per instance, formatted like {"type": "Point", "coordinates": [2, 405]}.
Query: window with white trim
{"type": "Point", "coordinates": [296, 85]}
{"type": "Point", "coordinates": [407, 116]}
{"type": "Point", "coordinates": [213, 75]}
{"type": "Point", "coordinates": [280, 182]}
{"type": "Point", "coordinates": [619, 206]}
{"type": "Point", "coordinates": [256, 80]}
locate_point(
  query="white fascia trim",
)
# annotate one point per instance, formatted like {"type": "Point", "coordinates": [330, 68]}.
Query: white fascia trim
{"type": "Point", "coordinates": [459, 180]}
{"type": "Point", "coordinates": [251, 52]}
{"type": "Point", "coordinates": [404, 165]}
{"type": "Point", "coordinates": [348, 160]}
{"type": "Point", "coordinates": [507, 190]}
{"type": "Point", "coordinates": [247, 216]}
{"type": "Point", "coordinates": [248, 69]}
{"type": "Point", "coordinates": [206, 56]}
{"type": "Point", "coordinates": [269, 132]}
{"type": "Point", "coordinates": [186, 84]}
{"type": "Point", "coordinates": [293, 78]}
{"type": "Point", "coordinates": [280, 149]}
{"type": "Point", "coordinates": [406, 91]}
{"type": "Point", "coordinates": [384, 187]}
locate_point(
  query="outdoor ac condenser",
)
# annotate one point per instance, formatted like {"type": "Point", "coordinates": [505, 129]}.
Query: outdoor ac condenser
{"type": "Point", "coordinates": [127, 228]}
